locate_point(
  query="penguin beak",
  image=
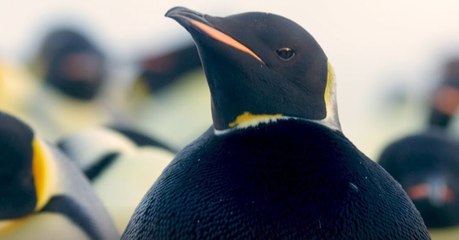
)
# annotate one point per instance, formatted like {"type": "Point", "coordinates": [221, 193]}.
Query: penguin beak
{"type": "Point", "coordinates": [196, 22]}
{"type": "Point", "coordinates": [184, 16]}
{"type": "Point", "coordinates": [435, 189]}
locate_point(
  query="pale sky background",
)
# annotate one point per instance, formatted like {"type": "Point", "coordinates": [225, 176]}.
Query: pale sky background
{"type": "Point", "coordinates": [376, 47]}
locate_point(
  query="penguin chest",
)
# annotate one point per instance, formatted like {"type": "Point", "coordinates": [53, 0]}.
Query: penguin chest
{"type": "Point", "coordinates": [122, 186]}
{"type": "Point", "coordinates": [279, 185]}
{"type": "Point", "coordinates": [245, 192]}
{"type": "Point", "coordinates": [259, 193]}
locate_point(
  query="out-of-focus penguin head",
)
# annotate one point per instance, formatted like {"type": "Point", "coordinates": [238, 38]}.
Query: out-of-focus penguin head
{"type": "Point", "coordinates": [72, 64]}
{"type": "Point", "coordinates": [18, 195]}
{"type": "Point", "coordinates": [426, 166]}
{"type": "Point", "coordinates": [27, 171]}
{"type": "Point", "coordinates": [158, 72]}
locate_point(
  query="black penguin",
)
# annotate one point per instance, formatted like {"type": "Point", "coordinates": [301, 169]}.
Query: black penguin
{"type": "Point", "coordinates": [42, 194]}
{"type": "Point", "coordinates": [275, 164]}
{"type": "Point", "coordinates": [426, 165]}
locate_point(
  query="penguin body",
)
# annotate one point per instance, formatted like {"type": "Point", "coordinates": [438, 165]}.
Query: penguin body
{"type": "Point", "coordinates": [120, 163]}
{"type": "Point", "coordinates": [43, 194]}
{"type": "Point", "coordinates": [275, 164]}
{"type": "Point", "coordinates": [426, 165]}
{"type": "Point", "coordinates": [289, 180]}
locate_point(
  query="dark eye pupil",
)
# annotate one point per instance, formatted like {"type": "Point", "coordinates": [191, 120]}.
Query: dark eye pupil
{"type": "Point", "coordinates": [285, 53]}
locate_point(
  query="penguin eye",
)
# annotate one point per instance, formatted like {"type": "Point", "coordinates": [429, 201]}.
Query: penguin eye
{"type": "Point", "coordinates": [285, 53]}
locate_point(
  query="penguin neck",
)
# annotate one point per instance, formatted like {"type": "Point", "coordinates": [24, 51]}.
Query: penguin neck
{"type": "Point", "coordinates": [331, 120]}
{"type": "Point", "coordinates": [248, 120]}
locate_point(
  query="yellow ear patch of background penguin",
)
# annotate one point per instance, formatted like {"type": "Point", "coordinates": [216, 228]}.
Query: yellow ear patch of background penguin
{"type": "Point", "coordinates": [44, 195]}
{"type": "Point", "coordinates": [44, 174]}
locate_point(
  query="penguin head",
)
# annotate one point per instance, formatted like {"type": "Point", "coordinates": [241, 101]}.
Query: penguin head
{"type": "Point", "coordinates": [24, 173]}
{"type": "Point", "coordinates": [161, 72]}
{"type": "Point", "coordinates": [261, 67]}
{"type": "Point", "coordinates": [72, 64]}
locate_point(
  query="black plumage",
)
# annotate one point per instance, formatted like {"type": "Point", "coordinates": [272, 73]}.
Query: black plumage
{"type": "Point", "coordinates": [290, 180]}
{"type": "Point", "coordinates": [17, 191]}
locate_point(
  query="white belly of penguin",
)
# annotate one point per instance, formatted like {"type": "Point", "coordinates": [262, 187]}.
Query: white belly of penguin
{"type": "Point", "coordinates": [43, 226]}
{"type": "Point", "coordinates": [123, 185]}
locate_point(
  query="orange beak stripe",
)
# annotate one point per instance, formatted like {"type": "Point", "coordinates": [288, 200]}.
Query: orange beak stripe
{"type": "Point", "coordinates": [421, 191]}
{"type": "Point", "coordinates": [447, 100]}
{"type": "Point", "coordinates": [222, 37]}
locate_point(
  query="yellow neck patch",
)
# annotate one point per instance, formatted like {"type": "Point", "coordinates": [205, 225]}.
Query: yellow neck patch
{"type": "Point", "coordinates": [331, 120]}
{"type": "Point", "coordinates": [330, 80]}
{"type": "Point", "coordinates": [248, 119]}
{"type": "Point", "coordinates": [44, 171]}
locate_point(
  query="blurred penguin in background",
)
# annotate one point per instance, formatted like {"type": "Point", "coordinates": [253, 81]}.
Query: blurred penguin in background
{"type": "Point", "coordinates": [74, 72]}
{"type": "Point", "coordinates": [427, 166]}
{"type": "Point", "coordinates": [426, 163]}
{"type": "Point", "coordinates": [168, 97]}
{"type": "Point", "coordinates": [160, 72]}
{"type": "Point", "coordinates": [121, 164]}
{"type": "Point", "coordinates": [446, 98]}
{"type": "Point", "coordinates": [42, 194]}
